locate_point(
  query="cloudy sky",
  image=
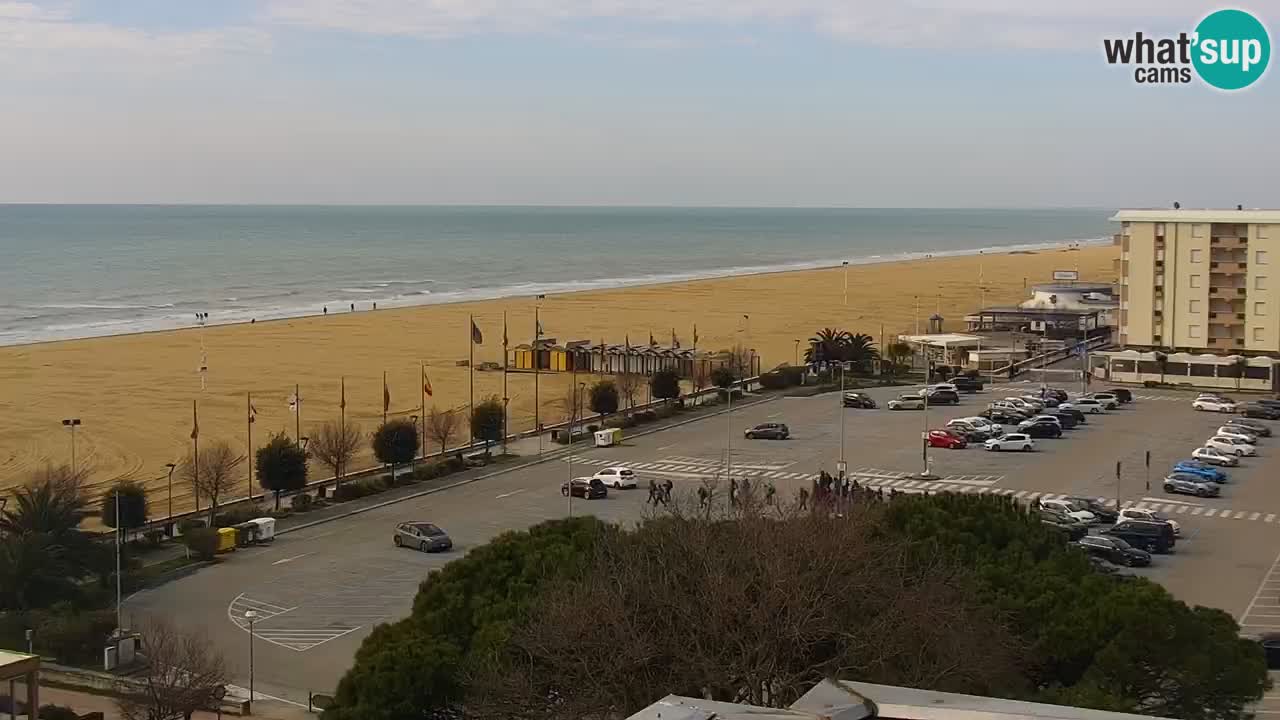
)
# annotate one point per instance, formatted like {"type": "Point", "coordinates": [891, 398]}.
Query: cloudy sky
{"type": "Point", "coordinates": [885, 103]}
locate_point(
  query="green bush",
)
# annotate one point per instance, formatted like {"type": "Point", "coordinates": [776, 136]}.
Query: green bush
{"type": "Point", "coordinates": [72, 637]}
{"type": "Point", "coordinates": [202, 541]}
{"type": "Point", "coordinates": [57, 712]}
{"type": "Point", "coordinates": [358, 489]}
{"type": "Point", "coordinates": [189, 524]}
{"type": "Point", "coordinates": [236, 515]}
{"type": "Point", "coordinates": [154, 537]}
{"type": "Point", "coordinates": [301, 502]}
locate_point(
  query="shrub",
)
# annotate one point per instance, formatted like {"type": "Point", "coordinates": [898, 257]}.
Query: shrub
{"type": "Point", "coordinates": [154, 537]}
{"type": "Point", "coordinates": [57, 712]}
{"type": "Point", "coordinates": [74, 638]}
{"type": "Point", "coordinates": [773, 380]}
{"type": "Point", "coordinates": [593, 428]}
{"type": "Point", "coordinates": [359, 489]}
{"type": "Point", "coordinates": [300, 503]}
{"type": "Point", "coordinates": [237, 515]}
{"type": "Point", "coordinates": [604, 397]}
{"type": "Point", "coordinates": [202, 541]}
{"type": "Point", "coordinates": [190, 524]}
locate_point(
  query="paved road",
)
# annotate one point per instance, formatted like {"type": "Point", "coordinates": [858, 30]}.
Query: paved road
{"type": "Point", "coordinates": [318, 592]}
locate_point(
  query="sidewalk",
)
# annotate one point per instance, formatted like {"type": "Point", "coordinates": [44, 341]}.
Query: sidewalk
{"type": "Point", "coordinates": [83, 703]}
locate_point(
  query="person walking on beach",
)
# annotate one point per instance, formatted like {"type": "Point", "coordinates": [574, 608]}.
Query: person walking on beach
{"type": "Point", "coordinates": [375, 306]}
{"type": "Point", "coordinates": [353, 307]}
{"type": "Point", "coordinates": [326, 309]}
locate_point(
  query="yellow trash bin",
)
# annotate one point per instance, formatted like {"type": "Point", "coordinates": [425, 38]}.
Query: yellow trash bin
{"type": "Point", "coordinates": [226, 539]}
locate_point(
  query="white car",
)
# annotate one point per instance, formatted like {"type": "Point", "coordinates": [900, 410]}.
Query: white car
{"type": "Point", "coordinates": [1147, 516]}
{"type": "Point", "coordinates": [983, 423]}
{"type": "Point", "coordinates": [1052, 419]}
{"type": "Point", "coordinates": [1064, 506]}
{"type": "Point", "coordinates": [1214, 456]}
{"type": "Point", "coordinates": [942, 386]}
{"type": "Point", "coordinates": [1011, 441]}
{"type": "Point", "coordinates": [1231, 445]}
{"type": "Point", "coordinates": [1034, 401]}
{"type": "Point", "coordinates": [1109, 401]}
{"type": "Point", "coordinates": [617, 477]}
{"type": "Point", "coordinates": [1213, 405]}
{"type": "Point", "coordinates": [1024, 405]}
{"type": "Point", "coordinates": [906, 402]}
{"type": "Point", "coordinates": [1087, 405]}
{"type": "Point", "coordinates": [1235, 431]}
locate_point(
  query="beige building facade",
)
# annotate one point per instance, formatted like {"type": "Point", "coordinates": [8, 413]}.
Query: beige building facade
{"type": "Point", "coordinates": [1200, 281]}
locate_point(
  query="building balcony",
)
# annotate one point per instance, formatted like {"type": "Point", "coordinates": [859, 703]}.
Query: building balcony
{"type": "Point", "coordinates": [1228, 268]}
{"type": "Point", "coordinates": [1226, 319]}
{"type": "Point", "coordinates": [1117, 239]}
{"type": "Point", "coordinates": [1226, 343]}
{"type": "Point", "coordinates": [1228, 242]}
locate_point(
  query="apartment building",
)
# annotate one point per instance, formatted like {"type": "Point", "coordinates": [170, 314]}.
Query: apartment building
{"type": "Point", "coordinates": [1200, 281]}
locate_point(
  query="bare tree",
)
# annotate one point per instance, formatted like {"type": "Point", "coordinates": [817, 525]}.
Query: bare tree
{"type": "Point", "coordinates": [213, 475]}
{"type": "Point", "coordinates": [442, 425]}
{"type": "Point", "coordinates": [742, 360]}
{"type": "Point", "coordinates": [183, 674]}
{"type": "Point", "coordinates": [629, 385]}
{"type": "Point", "coordinates": [334, 445]}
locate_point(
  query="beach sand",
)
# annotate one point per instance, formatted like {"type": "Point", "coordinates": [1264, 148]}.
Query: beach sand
{"type": "Point", "coordinates": [133, 394]}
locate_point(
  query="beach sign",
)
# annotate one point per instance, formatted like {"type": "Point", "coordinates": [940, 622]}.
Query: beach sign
{"type": "Point", "coordinates": [1070, 275]}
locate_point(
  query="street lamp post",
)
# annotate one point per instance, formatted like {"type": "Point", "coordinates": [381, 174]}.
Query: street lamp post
{"type": "Point", "coordinates": [414, 459]}
{"type": "Point", "coordinates": [841, 466]}
{"type": "Point", "coordinates": [251, 616]}
{"type": "Point", "coordinates": [72, 423]}
{"type": "Point", "coordinates": [171, 466]}
{"type": "Point", "coordinates": [119, 530]}
{"type": "Point", "coordinates": [846, 284]}
{"type": "Point", "coordinates": [797, 360]}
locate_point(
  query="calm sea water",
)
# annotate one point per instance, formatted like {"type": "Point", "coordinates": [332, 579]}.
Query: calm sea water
{"type": "Point", "coordinates": [80, 271]}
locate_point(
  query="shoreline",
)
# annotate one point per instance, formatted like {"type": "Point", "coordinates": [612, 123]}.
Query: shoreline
{"type": "Point", "coordinates": [603, 284]}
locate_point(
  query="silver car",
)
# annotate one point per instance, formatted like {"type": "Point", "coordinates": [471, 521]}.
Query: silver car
{"type": "Point", "coordinates": [422, 536]}
{"type": "Point", "coordinates": [1189, 485]}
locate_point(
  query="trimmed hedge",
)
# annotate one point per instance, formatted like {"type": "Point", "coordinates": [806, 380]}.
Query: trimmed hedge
{"type": "Point", "coordinates": [202, 541]}
{"type": "Point", "coordinates": [354, 490]}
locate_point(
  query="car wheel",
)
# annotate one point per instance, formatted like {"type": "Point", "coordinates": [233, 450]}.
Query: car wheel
{"type": "Point", "coordinates": [1026, 448]}
{"type": "Point", "coordinates": [1239, 453]}
{"type": "Point", "coordinates": [751, 436]}
{"type": "Point", "coordinates": [423, 546]}
{"type": "Point", "coordinates": [397, 541]}
{"type": "Point", "coordinates": [564, 492]}
{"type": "Point", "coordinates": [1169, 489]}
{"type": "Point", "coordinates": [617, 484]}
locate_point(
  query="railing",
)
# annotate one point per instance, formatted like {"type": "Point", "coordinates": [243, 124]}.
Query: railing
{"type": "Point", "coordinates": [1036, 361]}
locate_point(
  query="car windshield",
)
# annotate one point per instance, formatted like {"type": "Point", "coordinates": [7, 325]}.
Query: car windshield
{"type": "Point", "coordinates": [1121, 544]}
{"type": "Point", "coordinates": [428, 529]}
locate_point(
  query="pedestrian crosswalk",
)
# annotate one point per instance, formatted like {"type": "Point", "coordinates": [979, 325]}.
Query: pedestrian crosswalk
{"type": "Point", "coordinates": [288, 635]}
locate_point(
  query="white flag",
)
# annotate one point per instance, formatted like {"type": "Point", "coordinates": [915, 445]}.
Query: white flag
{"type": "Point", "coordinates": [293, 403]}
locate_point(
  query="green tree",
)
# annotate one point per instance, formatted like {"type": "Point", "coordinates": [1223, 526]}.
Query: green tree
{"type": "Point", "coordinates": [462, 616]}
{"type": "Point", "coordinates": [487, 421]}
{"type": "Point", "coordinates": [1162, 363]}
{"type": "Point", "coordinates": [860, 350]}
{"type": "Point", "coordinates": [334, 445]}
{"type": "Point", "coordinates": [604, 397]}
{"type": "Point", "coordinates": [898, 356]}
{"type": "Point", "coordinates": [133, 505]}
{"type": "Point", "coordinates": [722, 377]}
{"type": "Point", "coordinates": [51, 502]}
{"type": "Point", "coordinates": [665, 384]}
{"type": "Point", "coordinates": [281, 466]}
{"type": "Point", "coordinates": [396, 443]}
{"type": "Point", "coordinates": [827, 345]}
{"type": "Point", "coordinates": [1238, 366]}
{"type": "Point", "coordinates": [36, 572]}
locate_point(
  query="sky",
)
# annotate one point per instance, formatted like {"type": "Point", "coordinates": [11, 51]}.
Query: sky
{"type": "Point", "coordinates": [844, 103]}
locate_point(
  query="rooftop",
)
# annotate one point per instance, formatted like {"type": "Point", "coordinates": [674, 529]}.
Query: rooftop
{"type": "Point", "coordinates": [16, 664]}
{"type": "Point", "coordinates": [1210, 216]}
{"type": "Point", "coordinates": [1082, 286]}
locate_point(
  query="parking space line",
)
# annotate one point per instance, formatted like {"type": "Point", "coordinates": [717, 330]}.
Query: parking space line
{"type": "Point", "coordinates": [1240, 515]}
{"type": "Point", "coordinates": [1270, 517]}
{"type": "Point", "coordinates": [1210, 512]}
{"type": "Point", "coordinates": [1183, 508]}
{"type": "Point", "coordinates": [1020, 494]}
{"type": "Point", "coordinates": [1197, 511]}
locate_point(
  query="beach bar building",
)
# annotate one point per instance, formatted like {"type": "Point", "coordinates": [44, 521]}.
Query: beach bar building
{"type": "Point", "coordinates": [546, 355]}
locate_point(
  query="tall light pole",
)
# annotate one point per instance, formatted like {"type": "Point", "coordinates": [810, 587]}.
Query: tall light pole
{"type": "Point", "coordinates": [841, 466]}
{"type": "Point", "coordinates": [728, 440]}
{"type": "Point", "coordinates": [250, 615]}
{"type": "Point", "coordinates": [119, 615]}
{"type": "Point", "coordinates": [171, 466]}
{"type": "Point", "coordinates": [797, 361]}
{"type": "Point", "coordinates": [846, 284]}
{"type": "Point", "coordinates": [412, 460]}
{"type": "Point", "coordinates": [72, 423]}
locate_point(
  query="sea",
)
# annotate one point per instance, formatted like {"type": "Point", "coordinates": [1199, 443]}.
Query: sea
{"type": "Point", "coordinates": [72, 271]}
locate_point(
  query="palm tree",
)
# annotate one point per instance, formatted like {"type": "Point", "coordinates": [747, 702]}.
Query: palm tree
{"type": "Point", "coordinates": [859, 349]}
{"type": "Point", "coordinates": [826, 346]}
{"type": "Point", "coordinates": [1238, 365]}
{"type": "Point", "coordinates": [1162, 362]}
{"type": "Point", "coordinates": [51, 503]}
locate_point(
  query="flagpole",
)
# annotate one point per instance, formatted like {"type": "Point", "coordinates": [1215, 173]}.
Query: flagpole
{"type": "Point", "coordinates": [195, 451]}
{"type": "Point", "coordinates": [505, 400]}
{"type": "Point", "coordinates": [537, 337]}
{"type": "Point", "coordinates": [471, 376]}
{"type": "Point", "coordinates": [422, 387]}
{"type": "Point", "coordinates": [248, 413]}
{"type": "Point", "coordinates": [385, 404]}
{"type": "Point", "coordinates": [297, 417]}
{"type": "Point", "coordinates": [342, 424]}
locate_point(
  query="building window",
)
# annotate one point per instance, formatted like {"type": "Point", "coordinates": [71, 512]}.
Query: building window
{"type": "Point", "coordinates": [1260, 282]}
{"type": "Point", "coordinates": [1195, 281]}
{"type": "Point", "coordinates": [1193, 331]}
{"type": "Point", "coordinates": [1260, 309]}
{"type": "Point", "coordinates": [1197, 230]}
{"type": "Point", "coordinates": [1197, 255]}
{"type": "Point", "coordinates": [1160, 229]}
{"type": "Point", "coordinates": [1258, 334]}
{"type": "Point", "coordinates": [1261, 257]}
{"type": "Point", "coordinates": [1264, 232]}
{"type": "Point", "coordinates": [1193, 306]}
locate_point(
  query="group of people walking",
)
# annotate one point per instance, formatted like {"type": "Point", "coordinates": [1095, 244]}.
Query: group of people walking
{"type": "Point", "coordinates": [825, 491]}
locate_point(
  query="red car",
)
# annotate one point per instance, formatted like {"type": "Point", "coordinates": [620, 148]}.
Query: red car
{"type": "Point", "coordinates": [944, 439]}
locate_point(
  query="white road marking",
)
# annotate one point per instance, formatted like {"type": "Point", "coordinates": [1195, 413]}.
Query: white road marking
{"type": "Point", "coordinates": [282, 561]}
{"type": "Point", "coordinates": [1270, 517]}
{"type": "Point", "coordinates": [1197, 511]}
{"type": "Point", "coordinates": [509, 494]}
{"type": "Point", "coordinates": [1209, 513]}
{"type": "Point", "coordinates": [1182, 509]}
{"type": "Point", "coordinates": [1241, 515]}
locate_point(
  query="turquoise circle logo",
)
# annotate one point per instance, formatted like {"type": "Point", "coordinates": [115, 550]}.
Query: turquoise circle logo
{"type": "Point", "coordinates": [1232, 49]}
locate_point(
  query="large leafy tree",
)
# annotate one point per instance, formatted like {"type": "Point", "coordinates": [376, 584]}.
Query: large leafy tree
{"type": "Point", "coordinates": [898, 355]}
{"type": "Point", "coordinates": [665, 384]}
{"type": "Point", "coordinates": [827, 345]}
{"type": "Point", "coordinates": [860, 351]}
{"type": "Point", "coordinates": [281, 465]}
{"type": "Point", "coordinates": [44, 555]}
{"type": "Point", "coordinates": [396, 443]}
{"type": "Point", "coordinates": [604, 397]}
{"type": "Point", "coordinates": [132, 500]}
{"type": "Point", "coordinates": [488, 421]}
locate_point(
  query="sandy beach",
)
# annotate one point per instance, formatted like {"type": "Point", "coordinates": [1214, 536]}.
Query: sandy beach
{"type": "Point", "coordinates": [133, 394]}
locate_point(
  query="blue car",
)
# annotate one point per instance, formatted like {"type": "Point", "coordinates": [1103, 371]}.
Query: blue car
{"type": "Point", "coordinates": [1195, 467]}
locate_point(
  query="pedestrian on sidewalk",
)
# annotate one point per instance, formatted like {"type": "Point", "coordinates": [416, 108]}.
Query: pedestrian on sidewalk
{"type": "Point", "coordinates": [666, 491]}
{"type": "Point", "coordinates": [733, 492]}
{"type": "Point", "coordinates": [653, 493]}
{"type": "Point", "coordinates": [804, 498]}
{"type": "Point", "coordinates": [702, 497]}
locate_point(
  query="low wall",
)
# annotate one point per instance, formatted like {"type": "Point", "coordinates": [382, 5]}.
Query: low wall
{"type": "Point", "coordinates": [103, 683]}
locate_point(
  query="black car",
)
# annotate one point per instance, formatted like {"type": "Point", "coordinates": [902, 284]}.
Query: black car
{"type": "Point", "coordinates": [1073, 528]}
{"type": "Point", "coordinates": [1042, 430]}
{"type": "Point", "coordinates": [1271, 649]}
{"type": "Point", "coordinates": [1079, 415]}
{"type": "Point", "coordinates": [1058, 393]}
{"type": "Point", "coordinates": [1150, 536]}
{"type": "Point", "coordinates": [1003, 416]}
{"type": "Point", "coordinates": [1253, 426]}
{"type": "Point", "coordinates": [1103, 513]}
{"type": "Point", "coordinates": [1066, 420]}
{"type": "Point", "coordinates": [589, 488]}
{"type": "Point", "coordinates": [943, 397]}
{"type": "Point", "coordinates": [967, 384]}
{"type": "Point", "coordinates": [1269, 402]}
{"type": "Point", "coordinates": [1122, 394]}
{"type": "Point", "coordinates": [859, 400]}
{"type": "Point", "coordinates": [768, 431]}
{"type": "Point", "coordinates": [1114, 549]}
{"type": "Point", "coordinates": [1261, 412]}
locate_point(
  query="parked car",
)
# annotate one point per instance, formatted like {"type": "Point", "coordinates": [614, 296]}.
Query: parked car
{"type": "Point", "coordinates": [1235, 431]}
{"type": "Point", "coordinates": [983, 423]}
{"type": "Point", "coordinates": [1088, 405]}
{"type": "Point", "coordinates": [906, 402]}
{"type": "Point", "coordinates": [1101, 512]}
{"type": "Point", "coordinates": [1073, 412]}
{"type": "Point", "coordinates": [617, 477]}
{"type": "Point", "coordinates": [938, 396]}
{"type": "Point", "coordinates": [1260, 429]}
{"type": "Point", "coordinates": [1011, 409]}
{"type": "Point", "coordinates": [1011, 441]}
{"type": "Point", "coordinates": [1045, 401]}
{"type": "Point", "coordinates": [1066, 421]}
{"type": "Point", "coordinates": [1187, 484]}
{"type": "Point", "coordinates": [1069, 508]}
{"type": "Point", "coordinates": [1108, 400]}
{"type": "Point", "coordinates": [969, 431]}
{"type": "Point", "coordinates": [967, 384]}
{"type": "Point", "coordinates": [1040, 429]}
{"type": "Point", "coordinates": [1219, 397]}
{"type": "Point", "coordinates": [947, 439]}
{"type": "Point", "coordinates": [422, 536]}
{"type": "Point", "coordinates": [1213, 405]}
{"type": "Point", "coordinates": [585, 487]}
{"type": "Point", "coordinates": [1270, 643]}
{"type": "Point", "coordinates": [1002, 416]}
{"type": "Point", "coordinates": [1262, 412]}
{"type": "Point", "coordinates": [1232, 445]}
{"type": "Point", "coordinates": [1057, 393]}
{"type": "Point", "coordinates": [1059, 517]}
{"type": "Point", "coordinates": [859, 400]}
{"type": "Point", "coordinates": [949, 387]}
{"type": "Point", "coordinates": [1203, 470]}
{"type": "Point", "coordinates": [1214, 456]}
{"type": "Point", "coordinates": [1268, 402]}
{"type": "Point", "coordinates": [1149, 516]}
{"type": "Point", "coordinates": [1074, 530]}
{"type": "Point", "coordinates": [1149, 536]}
{"type": "Point", "coordinates": [1123, 394]}
{"type": "Point", "coordinates": [768, 431]}
{"type": "Point", "coordinates": [1114, 550]}
{"type": "Point", "coordinates": [1026, 405]}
